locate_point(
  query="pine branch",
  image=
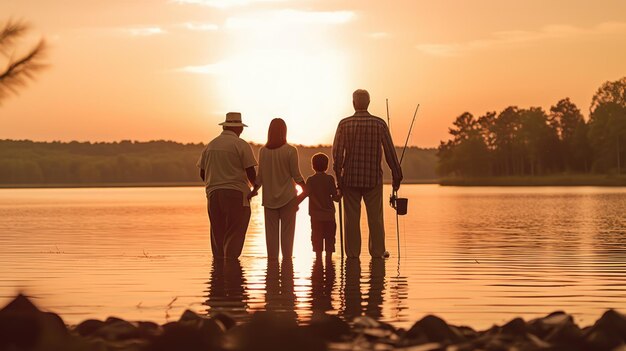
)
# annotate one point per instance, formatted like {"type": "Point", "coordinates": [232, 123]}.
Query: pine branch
{"type": "Point", "coordinates": [23, 68]}
{"type": "Point", "coordinates": [9, 33]}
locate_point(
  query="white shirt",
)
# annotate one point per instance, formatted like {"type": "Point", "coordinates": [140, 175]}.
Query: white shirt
{"type": "Point", "coordinates": [278, 174]}
{"type": "Point", "coordinates": [224, 161]}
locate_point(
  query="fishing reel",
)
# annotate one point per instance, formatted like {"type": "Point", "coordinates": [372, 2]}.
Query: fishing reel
{"type": "Point", "coordinates": [400, 204]}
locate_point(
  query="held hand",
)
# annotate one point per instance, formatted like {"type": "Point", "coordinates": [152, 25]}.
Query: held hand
{"type": "Point", "coordinates": [253, 194]}
{"type": "Point", "coordinates": [300, 198]}
{"type": "Point", "coordinates": [339, 195]}
{"type": "Point", "coordinates": [396, 184]}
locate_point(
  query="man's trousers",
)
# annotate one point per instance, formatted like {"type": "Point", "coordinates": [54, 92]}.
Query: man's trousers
{"type": "Point", "coordinates": [373, 198]}
{"type": "Point", "coordinates": [229, 222]}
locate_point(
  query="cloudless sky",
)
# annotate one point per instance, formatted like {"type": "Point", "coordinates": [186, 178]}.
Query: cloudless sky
{"type": "Point", "coordinates": [171, 69]}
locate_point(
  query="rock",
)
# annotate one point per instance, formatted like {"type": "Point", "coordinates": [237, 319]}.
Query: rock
{"type": "Point", "coordinates": [24, 327]}
{"type": "Point", "coordinates": [147, 330]}
{"type": "Point", "coordinates": [613, 322]}
{"type": "Point", "coordinates": [19, 332]}
{"type": "Point", "coordinates": [169, 325]}
{"type": "Point", "coordinates": [434, 329]}
{"type": "Point", "coordinates": [148, 326]}
{"type": "Point", "coordinates": [558, 329]}
{"type": "Point", "coordinates": [178, 336]}
{"type": "Point", "coordinates": [567, 336]}
{"type": "Point", "coordinates": [516, 327]}
{"type": "Point", "coordinates": [431, 346]}
{"type": "Point", "coordinates": [601, 340]}
{"type": "Point", "coordinates": [535, 343]}
{"type": "Point", "coordinates": [467, 332]}
{"type": "Point", "coordinates": [211, 329]}
{"type": "Point", "coordinates": [276, 332]}
{"type": "Point", "coordinates": [88, 327]}
{"type": "Point", "coordinates": [111, 320]}
{"type": "Point", "coordinates": [21, 304]}
{"type": "Point", "coordinates": [212, 332]}
{"type": "Point", "coordinates": [235, 338]}
{"type": "Point", "coordinates": [541, 327]}
{"type": "Point", "coordinates": [608, 333]}
{"type": "Point", "coordinates": [377, 333]}
{"type": "Point", "coordinates": [365, 322]}
{"type": "Point", "coordinates": [513, 335]}
{"type": "Point", "coordinates": [189, 315]}
{"type": "Point", "coordinates": [53, 325]}
{"type": "Point", "coordinates": [226, 321]}
{"type": "Point", "coordinates": [117, 330]}
{"type": "Point", "coordinates": [375, 330]}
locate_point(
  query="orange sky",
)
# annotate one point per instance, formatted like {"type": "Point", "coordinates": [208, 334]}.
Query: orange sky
{"type": "Point", "coordinates": [170, 69]}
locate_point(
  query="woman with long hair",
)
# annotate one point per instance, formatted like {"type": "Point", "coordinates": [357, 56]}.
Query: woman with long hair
{"type": "Point", "coordinates": [278, 175]}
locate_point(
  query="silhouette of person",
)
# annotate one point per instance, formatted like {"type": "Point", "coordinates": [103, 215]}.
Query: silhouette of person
{"type": "Point", "coordinates": [375, 298]}
{"type": "Point", "coordinates": [359, 143]}
{"type": "Point", "coordinates": [279, 173]}
{"type": "Point", "coordinates": [352, 295]}
{"type": "Point", "coordinates": [227, 169]}
{"type": "Point", "coordinates": [352, 289]}
{"type": "Point", "coordinates": [226, 289]}
{"type": "Point", "coordinates": [279, 288]}
{"type": "Point", "coordinates": [322, 191]}
{"type": "Point", "coordinates": [322, 284]}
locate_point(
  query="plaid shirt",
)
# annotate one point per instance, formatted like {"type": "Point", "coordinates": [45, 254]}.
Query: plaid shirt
{"type": "Point", "coordinates": [357, 151]}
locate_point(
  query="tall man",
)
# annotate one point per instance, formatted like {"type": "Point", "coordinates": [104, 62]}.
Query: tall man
{"type": "Point", "coordinates": [357, 158]}
{"type": "Point", "coordinates": [227, 169]}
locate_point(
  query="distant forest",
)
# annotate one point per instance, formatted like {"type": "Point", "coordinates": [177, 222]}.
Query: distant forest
{"type": "Point", "coordinates": [530, 142]}
{"type": "Point", "coordinates": [24, 162]}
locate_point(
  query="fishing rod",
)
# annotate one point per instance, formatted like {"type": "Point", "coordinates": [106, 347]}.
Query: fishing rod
{"type": "Point", "coordinates": [341, 227]}
{"type": "Point", "coordinates": [398, 203]}
{"type": "Point", "coordinates": [408, 135]}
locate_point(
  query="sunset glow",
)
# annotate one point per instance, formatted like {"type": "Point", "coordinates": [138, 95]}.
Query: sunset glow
{"type": "Point", "coordinates": [170, 69]}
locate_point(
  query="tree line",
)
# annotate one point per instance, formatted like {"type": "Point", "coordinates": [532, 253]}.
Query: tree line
{"type": "Point", "coordinates": [532, 141]}
{"type": "Point", "coordinates": [131, 162]}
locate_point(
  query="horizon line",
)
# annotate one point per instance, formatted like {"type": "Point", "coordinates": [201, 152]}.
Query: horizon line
{"type": "Point", "coordinates": [180, 142]}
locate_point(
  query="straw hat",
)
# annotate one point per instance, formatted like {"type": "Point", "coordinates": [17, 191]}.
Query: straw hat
{"type": "Point", "coordinates": [233, 119]}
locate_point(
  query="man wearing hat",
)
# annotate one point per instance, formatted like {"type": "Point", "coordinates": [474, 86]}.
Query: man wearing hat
{"type": "Point", "coordinates": [227, 169]}
{"type": "Point", "coordinates": [360, 141]}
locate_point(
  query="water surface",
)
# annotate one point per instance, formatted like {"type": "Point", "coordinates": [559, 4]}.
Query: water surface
{"type": "Point", "coordinates": [474, 256]}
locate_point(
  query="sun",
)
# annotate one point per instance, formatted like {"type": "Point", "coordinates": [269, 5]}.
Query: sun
{"type": "Point", "coordinates": [287, 70]}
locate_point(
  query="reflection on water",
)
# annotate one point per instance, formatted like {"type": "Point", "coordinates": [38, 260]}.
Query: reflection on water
{"type": "Point", "coordinates": [322, 285]}
{"type": "Point", "coordinates": [226, 289]}
{"type": "Point", "coordinates": [474, 256]}
{"type": "Point", "coordinates": [357, 294]}
{"type": "Point", "coordinates": [357, 303]}
{"type": "Point", "coordinates": [279, 287]}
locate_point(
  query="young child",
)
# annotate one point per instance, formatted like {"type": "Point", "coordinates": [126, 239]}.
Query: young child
{"type": "Point", "coordinates": [322, 190]}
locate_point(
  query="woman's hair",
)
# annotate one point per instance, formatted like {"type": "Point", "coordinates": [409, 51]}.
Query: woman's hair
{"type": "Point", "coordinates": [276, 134]}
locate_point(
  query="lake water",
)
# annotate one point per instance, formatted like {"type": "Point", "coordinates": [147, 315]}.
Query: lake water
{"type": "Point", "coordinates": [474, 256]}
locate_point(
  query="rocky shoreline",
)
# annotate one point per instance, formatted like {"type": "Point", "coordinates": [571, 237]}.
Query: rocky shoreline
{"type": "Point", "coordinates": [24, 327]}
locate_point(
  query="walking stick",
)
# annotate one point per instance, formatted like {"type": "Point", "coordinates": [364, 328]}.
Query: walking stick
{"type": "Point", "coordinates": [394, 194]}
{"type": "Point", "coordinates": [400, 204]}
{"type": "Point", "coordinates": [341, 226]}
